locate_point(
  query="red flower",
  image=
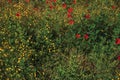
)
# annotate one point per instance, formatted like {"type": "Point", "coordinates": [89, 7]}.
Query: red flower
{"type": "Point", "coordinates": [70, 10]}
{"type": "Point", "coordinates": [69, 15]}
{"type": "Point", "coordinates": [36, 9]}
{"type": "Point", "coordinates": [18, 14]}
{"type": "Point", "coordinates": [9, 1]}
{"type": "Point", "coordinates": [64, 5]}
{"type": "Point", "coordinates": [118, 57]}
{"type": "Point", "coordinates": [47, 1]}
{"type": "Point", "coordinates": [71, 22]}
{"type": "Point", "coordinates": [27, 1]}
{"type": "Point", "coordinates": [54, 1]}
{"type": "Point", "coordinates": [87, 16]}
{"type": "Point", "coordinates": [74, 1]}
{"type": "Point", "coordinates": [51, 7]}
{"type": "Point", "coordinates": [77, 36]}
{"type": "Point", "coordinates": [86, 36]}
{"type": "Point", "coordinates": [86, 5]}
{"type": "Point", "coordinates": [113, 7]}
{"type": "Point", "coordinates": [117, 41]}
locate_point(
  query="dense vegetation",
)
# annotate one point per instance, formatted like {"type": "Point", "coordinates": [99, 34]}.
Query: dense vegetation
{"type": "Point", "coordinates": [59, 40]}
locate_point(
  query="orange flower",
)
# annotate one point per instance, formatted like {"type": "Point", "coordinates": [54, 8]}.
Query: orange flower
{"type": "Point", "coordinates": [71, 22]}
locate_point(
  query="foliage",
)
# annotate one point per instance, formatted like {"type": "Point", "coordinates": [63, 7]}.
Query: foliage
{"type": "Point", "coordinates": [59, 40]}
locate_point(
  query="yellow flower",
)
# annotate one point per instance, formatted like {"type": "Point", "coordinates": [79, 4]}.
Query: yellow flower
{"type": "Point", "coordinates": [7, 79]}
{"type": "Point", "coordinates": [1, 49]}
{"type": "Point", "coordinates": [118, 79]}
{"type": "Point", "coordinates": [34, 74]}
{"type": "Point", "coordinates": [119, 74]}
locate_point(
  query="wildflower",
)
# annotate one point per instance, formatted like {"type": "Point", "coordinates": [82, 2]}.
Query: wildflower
{"type": "Point", "coordinates": [27, 1]}
{"type": "Point", "coordinates": [36, 9]}
{"type": "Point", "coordinates": [51, 7]}
{"type": "Point", "coordinates": [54, 1]}
{"type": "Point", "coordinates": [74, 1]}
{"type": "Point", "coordinates": [117, 41]}
{"type": "Point", "coordinates": [86, 36]}
{"type": "Point", "coordinates": [113, 7]}
{"type": "Point", "coordinates": [18, 14]}
{"type": "Point", "coordinates": [86, 5]}
{"type": "Point", "coordinates": [70, 10]}
{"type": "Point", "coordinates": [47, 1]}
{"type": "Point", "coordinates": [69, 15]}
{"type": "Point", "coordinates": [64, 5]}
{"type": "Point", "coordinates": [1, 49]}
{"type": "Point", "coordinates": [118, 57]}
{"type": "Point", "coordinates": [87, 16]}
{"type": "Point", "coordinates": [71, 22]}
{"type": "Point", "coordinates": [77, 36]}
{"type": "Point", "coordinates": [9, 1]}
